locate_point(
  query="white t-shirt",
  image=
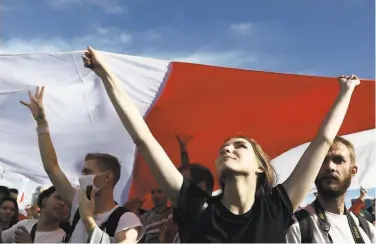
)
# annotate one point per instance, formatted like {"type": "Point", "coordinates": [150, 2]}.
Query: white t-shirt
{"type": "Point", "coordinates": [339, 229]}
{"type": "Point", "coordinates": [55, 236]}
{"type": "Point", "coordinates": [127, 221]}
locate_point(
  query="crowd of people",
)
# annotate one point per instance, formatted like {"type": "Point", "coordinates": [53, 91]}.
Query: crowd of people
{"type": "Point", "coordinates": [250, 207]}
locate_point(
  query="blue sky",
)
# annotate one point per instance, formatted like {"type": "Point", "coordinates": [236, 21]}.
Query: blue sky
{"type": "Point", "coordinates": [325, 38]}
{"type": "Point", "coordinates": [307, 37]}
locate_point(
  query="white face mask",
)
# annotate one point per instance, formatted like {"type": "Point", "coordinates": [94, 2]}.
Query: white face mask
{"type": "Point", "coordinates": [88, 180]}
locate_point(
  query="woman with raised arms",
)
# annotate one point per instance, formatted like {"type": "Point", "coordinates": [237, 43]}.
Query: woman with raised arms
{"type": "Point", "coordinates": [250, 208]}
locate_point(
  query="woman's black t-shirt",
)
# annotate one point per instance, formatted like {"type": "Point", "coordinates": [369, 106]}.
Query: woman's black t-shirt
{"type": "Point", "coordinates": [267, 220]}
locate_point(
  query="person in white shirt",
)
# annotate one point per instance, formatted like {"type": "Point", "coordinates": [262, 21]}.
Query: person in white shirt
{"type": "Point", "coordinates": [327, 220]}
{"type": "Point", "coordinates": [94, 200]}
{"type": "Point", "coordinates": [44, 230]}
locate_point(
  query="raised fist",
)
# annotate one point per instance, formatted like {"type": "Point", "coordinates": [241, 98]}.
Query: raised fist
{"type": "Point", "coordinates": [92, 60]}
{"type": "Point", "coordinates": [347, 82]}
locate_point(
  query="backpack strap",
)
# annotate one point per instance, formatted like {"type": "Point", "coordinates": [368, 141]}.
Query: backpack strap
{"type": "Point", "coordinates": [364, 225]}
{"type": "Point", "coordinates": [33, 231]}
{"type": "Point", "coordinates": [305, 225]}
{"type": "Point", "coordinates": [65, 225]}
{"type": "Point", "coordinates": [112, 222]}
{"type": "Point", "coordinates": [68, 234]}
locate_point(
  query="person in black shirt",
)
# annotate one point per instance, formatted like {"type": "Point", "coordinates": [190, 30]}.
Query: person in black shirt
{"type": "Point", "coordinates": [250, 208]}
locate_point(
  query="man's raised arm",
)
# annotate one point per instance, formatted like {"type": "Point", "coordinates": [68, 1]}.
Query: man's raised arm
{"type": "Point", "coordinates": [168, 177]}
{"type": "Point", "coordinates": [46, 148]}
{"type": "Point", "coordinates": [305, 172]}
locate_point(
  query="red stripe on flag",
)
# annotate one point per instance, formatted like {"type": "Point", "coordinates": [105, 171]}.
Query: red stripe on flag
{"type": "Point", "coordinates": [280, 111]}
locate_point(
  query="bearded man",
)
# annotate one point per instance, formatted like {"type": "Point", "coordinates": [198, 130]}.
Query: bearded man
{"type": "Point", "coordinates": [327, 220]}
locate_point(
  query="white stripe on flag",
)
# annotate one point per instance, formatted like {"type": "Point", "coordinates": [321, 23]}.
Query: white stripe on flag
{"type": "Point", "coordinates": [364, 144]}
{"type": "Point", "coordinates": [81, 117]}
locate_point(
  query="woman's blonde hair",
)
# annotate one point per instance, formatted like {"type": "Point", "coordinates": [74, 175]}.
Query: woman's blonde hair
{"type": "Point", "coordinates": [268, 178]}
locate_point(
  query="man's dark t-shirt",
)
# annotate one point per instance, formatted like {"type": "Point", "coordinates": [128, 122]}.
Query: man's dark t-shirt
{"type": "Point", "coordinates": [266, 221]}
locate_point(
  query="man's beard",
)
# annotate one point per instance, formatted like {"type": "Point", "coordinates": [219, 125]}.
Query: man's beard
{"type": "Point", "coordinates": [332, 190]}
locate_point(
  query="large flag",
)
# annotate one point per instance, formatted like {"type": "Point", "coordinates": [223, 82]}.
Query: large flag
{"type": "Point", "coordinates": [281, 111]}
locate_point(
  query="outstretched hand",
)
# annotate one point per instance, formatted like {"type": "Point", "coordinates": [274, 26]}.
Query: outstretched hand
{"type": "Point", "coordinates": [36, 105]}
{"type": "Point", "coordinates": [348, 82]}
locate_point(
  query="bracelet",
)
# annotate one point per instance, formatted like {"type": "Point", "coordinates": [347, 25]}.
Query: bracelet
{"type": "Point", "coordinates": [40, 118]}
{"type": "Point", "coordinates": [43, 129]}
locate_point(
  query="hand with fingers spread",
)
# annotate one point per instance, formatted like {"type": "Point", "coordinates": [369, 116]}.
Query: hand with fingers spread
{"type": "Point", "coordinates": [348, 82]}
{"type": "Point", "coordinates": [183, 144]}
{"type": "Point", "coordinates": [21, 235]}
{"type": "Point", "coordinates": [36, 105]}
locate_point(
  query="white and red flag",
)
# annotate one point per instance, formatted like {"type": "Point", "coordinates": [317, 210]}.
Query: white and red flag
{"type": "Point", "coordinates": [281, 111]}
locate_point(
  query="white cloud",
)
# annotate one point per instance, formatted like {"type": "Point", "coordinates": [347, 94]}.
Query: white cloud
{"type": "Point", "coordinates": [228, 58]}
{"type": "Point", "coordinates": [118, 41]}
{"type": "Point", "coordinates": [102, 38]}
{"type": "Point", "coordinates": [58, 4]}
{"type": "Point", "coordinates": [152, 35]}
{"type": "Point", "coordinates": [114, 9]}
{"type": "Point", "coordinates": [125, 38]}
{"type": "Point", "coordinates": [243, 29]}
{"type": "Point", "coordinates": [109, 6]}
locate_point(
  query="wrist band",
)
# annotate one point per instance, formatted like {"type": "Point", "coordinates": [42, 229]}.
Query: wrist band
{"type": "Point", "coordinates": [42, 129]}
{"type": "Point", "coordinates": [40, 119]}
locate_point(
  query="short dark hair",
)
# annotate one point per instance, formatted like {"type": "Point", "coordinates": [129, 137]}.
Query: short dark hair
{"type": "Point", "coordinates": [200, 174]}
{"type": "Point", "coordinates": [45, 194]}
{"type": "Point", "coordinates": [13, 190]}
{"type": "Point", "coordinates": [4, 191]}
{"type": "Point", "coordinates": [106, 162]}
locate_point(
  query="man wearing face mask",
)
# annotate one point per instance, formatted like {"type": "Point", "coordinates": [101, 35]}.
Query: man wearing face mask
{"type": "Point", "coordinates": [44, 230]}
{"type": "Point", "coordinates": [94, 214]}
